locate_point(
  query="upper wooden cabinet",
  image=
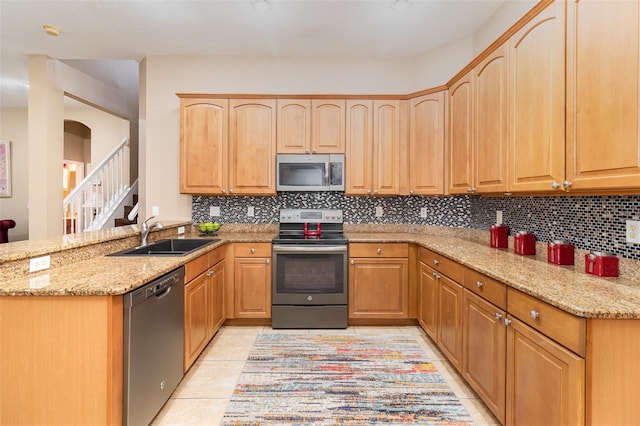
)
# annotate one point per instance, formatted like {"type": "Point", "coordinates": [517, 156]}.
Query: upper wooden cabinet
{"type": "Point", "coordinates": [603, 93]}
{"type": "Point", "coordinates": [537, 102]}
{"type": "Point", "coordinates": [460, 158]}
{"type": "Point", "coordinates": [427, 125]}
{"type": "Point", "coordinates": [203, 145]}
{"type": "Point", "coordinates": [294, 126]}
{"type": "Point", "coordinates": [373, 147]}
{"type": "Point", "coordinates": [328, 126]}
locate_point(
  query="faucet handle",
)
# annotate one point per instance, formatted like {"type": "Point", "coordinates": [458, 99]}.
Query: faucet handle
{"type": "Point", "coordinates": [144, 224]}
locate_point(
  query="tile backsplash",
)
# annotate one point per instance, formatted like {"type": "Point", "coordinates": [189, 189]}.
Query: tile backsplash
{"type": "Point", "coordinates": [588, 222]}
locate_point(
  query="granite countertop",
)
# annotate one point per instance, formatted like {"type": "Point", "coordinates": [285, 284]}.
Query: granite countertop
{"type": "Point", "coordinates": [566, 287]}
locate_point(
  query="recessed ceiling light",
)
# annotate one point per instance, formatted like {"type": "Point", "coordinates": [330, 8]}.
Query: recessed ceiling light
{"type": "Point", "coordinates": [51, 30]}
{"type": "Point", "coordinates": [400, 4]}
{"type": "Point", "coordinates": [261, 4]}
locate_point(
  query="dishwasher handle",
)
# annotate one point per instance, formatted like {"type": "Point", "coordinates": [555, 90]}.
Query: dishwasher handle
{"type": "Point", "coordinates": [164, 293]}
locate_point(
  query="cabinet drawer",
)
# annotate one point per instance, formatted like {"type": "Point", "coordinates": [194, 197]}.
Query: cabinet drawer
{"type": "Point", "coordinates": [252, 250]}
{"type": "Point", "coordinates": [196, 267]}
{"type": "Point", "coordinates": [378, 250]}
{"type": "Point", "coordinates": [485, 287]}
{"type": "Point", "coordinates": [441, 264]}
{"type": "Point", "coordinates": [561, 326]}
{"type": "Point", "coordinates": [217, 255]}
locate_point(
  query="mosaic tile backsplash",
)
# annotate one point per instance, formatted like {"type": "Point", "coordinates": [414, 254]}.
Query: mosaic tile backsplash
{"type": "Point", "coordinates": [590, 222]}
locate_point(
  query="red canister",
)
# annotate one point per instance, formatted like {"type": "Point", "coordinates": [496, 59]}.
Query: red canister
{"type": "Point", "coordinates": [601, 264]}
{"type": "Point", "coordinates": [499, 236]}
{"type": "Point", "coordinates": [560, 252]}
{"type": "Point", "coordinates": [524, 243]}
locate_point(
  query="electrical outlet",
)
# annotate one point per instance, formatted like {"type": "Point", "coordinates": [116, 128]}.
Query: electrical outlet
{"type": "Point", "coordinates": [41, 281]}
{"type": "Point", "coordinates": [423, 212]}
{"type": "Point", "coordinates": [379, 211]}
{"type": "Point", "coordinates": [499, 217]}
{"type": "Point", "coordinates": [633, 231]}
{"type": "Point", "coordinates": [251, 211]}
{"type": "Point", "coordinates": [214, 210]}
{"type": "Point", "coordinates": [155, 211]}
{"type": "Point", "coordinates": [39, 263]}
{"type": "Point", "coordinates": [180, 230]}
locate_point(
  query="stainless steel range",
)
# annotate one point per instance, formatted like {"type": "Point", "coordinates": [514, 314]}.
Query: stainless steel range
{"type": "Point", "coordinates": [310, 270]}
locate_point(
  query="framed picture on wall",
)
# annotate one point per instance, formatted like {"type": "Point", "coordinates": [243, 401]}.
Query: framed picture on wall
{"type": "Point", "coordinates": [5, 169]}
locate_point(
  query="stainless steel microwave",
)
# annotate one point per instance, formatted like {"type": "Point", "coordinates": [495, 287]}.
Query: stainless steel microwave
{"type": "Point", "coordinates": [310, 172]}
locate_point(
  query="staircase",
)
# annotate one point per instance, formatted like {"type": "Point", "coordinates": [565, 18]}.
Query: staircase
{"type": "Point", "coordinates": [127, 210]}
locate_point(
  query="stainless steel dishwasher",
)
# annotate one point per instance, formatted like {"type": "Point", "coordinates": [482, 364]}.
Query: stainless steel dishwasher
{"type": "Point", "coordinates": [153, 346]}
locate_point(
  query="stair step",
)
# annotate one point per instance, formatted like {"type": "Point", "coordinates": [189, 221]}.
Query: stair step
{"type": "Point", "coordinates": [124, 221]}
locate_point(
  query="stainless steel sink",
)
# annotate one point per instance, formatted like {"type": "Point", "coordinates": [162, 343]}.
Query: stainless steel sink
{"type": "Point", "coordinates": [170, 247]}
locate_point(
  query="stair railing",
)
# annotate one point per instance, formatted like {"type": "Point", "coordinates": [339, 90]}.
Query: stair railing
{"type": "Point", "coordinates": [90, 204]}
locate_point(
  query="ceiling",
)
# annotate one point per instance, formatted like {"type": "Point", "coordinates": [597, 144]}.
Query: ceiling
{"type": "Point", "coordinates": [120, 32]}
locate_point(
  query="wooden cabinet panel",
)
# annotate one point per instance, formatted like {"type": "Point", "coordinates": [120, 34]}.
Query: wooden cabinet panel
{"type": "Point", "coordinates": [378, 288]}
{"type": "Point", "coordinates": [490, 123]}
{"type": "Point", "coordinates": [427, 117]}
{"type": "Point", "coordinates": [373, 250]}
{"type": "Point", "coordinates": [603, 94]}
{"type": "Point", "coordinates": [450, 327]}
{"type": "Point", "coordinates": [460, 156]}
{"type": "Point", "coordinates": [328, 125]}
{"type": "Point", "coordinates": [386, 147]}
{"type": "Point", "coordinates": [196, 326]}
{"type": "Point", "coordinates": [428, 304]}
{"type": "Point", "coordinates": [294, 126]}
{"type": "Point", "coordinates": [442, 264]}
{"type": "Point", "coordinates": [484, 342]}
{"type": "Point", "coordinates": [203, 145]}
{"type": "Point", "coordinates": [252, 281]}
{"type": "Point", "coordinates": [537, 102]}
{"type": "Point", "coordinates": [252, 142]}
{"type": "Point", "coordinates": [252, 250]}
{"type": "Point", "coordinates": [359, 148]}
{"type": "Point", "coordinates": [216, 297]}
{"type": "Point", "coordinates": [545, 382]}
{"type": "Point", "coordinates": [493, 291]}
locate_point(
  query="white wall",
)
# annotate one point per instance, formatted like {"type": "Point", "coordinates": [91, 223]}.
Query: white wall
{"type": "Point", "coordinates": [438, 66]}
{"type": "Point", "coordinates": [507, 15]}
{"type": "Point", "coordinates": [13, 127]}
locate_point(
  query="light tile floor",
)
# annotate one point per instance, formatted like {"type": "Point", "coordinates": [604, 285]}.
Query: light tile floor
{"type": "Point", "coordinates": [202, 396]}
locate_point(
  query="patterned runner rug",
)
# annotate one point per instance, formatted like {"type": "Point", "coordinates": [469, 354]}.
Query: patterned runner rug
{"type": "Point", "coordinates": [326, 379]}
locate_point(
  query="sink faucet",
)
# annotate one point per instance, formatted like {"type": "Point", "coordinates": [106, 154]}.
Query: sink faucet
{"type": "Point", "coordinates": [146, 229]}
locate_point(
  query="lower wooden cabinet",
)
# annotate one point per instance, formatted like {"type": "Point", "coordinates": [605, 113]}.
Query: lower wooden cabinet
{"type": "Point", "coordinates": [545, 381]}
{"type": "Point", "coordinates": [450, 325]}
{"type": "Point", "coordinates": [252, 280]}
{"type": "Point", "coordinates": [428, 301]}
{"type": "Point", "coordinates": [378, 281]}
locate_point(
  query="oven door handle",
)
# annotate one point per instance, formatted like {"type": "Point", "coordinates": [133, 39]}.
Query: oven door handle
{"type": "Point", "coordinates": [309, 249]}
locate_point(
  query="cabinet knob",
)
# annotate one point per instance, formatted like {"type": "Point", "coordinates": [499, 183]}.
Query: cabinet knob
{"type": "Point", "coordinates": [555, 185]}
{"type": "Point", "coordinates": [224, 191]}
{"type": "Point", "coordinates": [209, 273]}
{"type": "Point", "coordinates": [472, 189]}
{"type": "Point", "coordinates": [479, 284]}
{"type": "Point", "coordinates": [268, 261]}
{"type": "Point", "coordinates": [375, 191]}
{"type": "Point", "coordinates": [252, 250]}
{"type": "Point", "coordinates": [436, 262]}
{"type": "Point", "coordinates": [507, 322]}
{"type": "Point", "coordinates": [498, 316]}
{"type": "Point", "coordinates": [534, 314]}
{"type": "Point", "coordinates": [313, 151]}
{"type": "Point", "coordinates": [566, 184]}
{"type": "Point", "coordinates": [306, 151]}
{"type": "Point", "coordinates": [230, 191]}
{"type": "Point", "coordinates": [353, 262]}
{"type": "Point", "coordinates": [379, 251]}
{"type": "Point", "coordinates": [436, 275]}
{"type": "Point", "coordinates": [411, 192]}
{"type": "Point", "coordinates": [368, 191]}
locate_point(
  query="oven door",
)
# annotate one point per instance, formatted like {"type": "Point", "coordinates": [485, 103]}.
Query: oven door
{"type": "Point", "coordinates": [309, 274]}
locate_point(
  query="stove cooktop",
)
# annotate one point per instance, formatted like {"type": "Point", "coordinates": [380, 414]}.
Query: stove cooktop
{"type": "Point", "coordinates": [310, 226]}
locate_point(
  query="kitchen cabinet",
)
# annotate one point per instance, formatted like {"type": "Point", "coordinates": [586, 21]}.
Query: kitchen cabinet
{"type": "Point", "coordinates": [300, 126]}
{"type": "Point", "coordinates": [252, 280]}
{"type": "Point", "coordinates": [450, 322]}
{"type": "Point", "coordinates": [373, 151]}
{"type": "Point", "coordinates": [427, 132]}
{"type": "Point", "coordinates": [204, 138]}
{"type": "Point", "coordinates": [603, 95]}
{"type": "Point", "coordinates": [460, 155]}
{"type": "Point", "coordinates": [537, 102]}
{"type": "Point", "coordinates": [428, 301]}
{"type": "Point", "coordinates": [204, 302]}
{"type": "Point", "coordinates": [378, 281]}
{"type": "Point", "coordinates": [227, 147]}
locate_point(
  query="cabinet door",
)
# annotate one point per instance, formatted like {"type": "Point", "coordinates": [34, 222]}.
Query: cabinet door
{"type": "Point", "coordinates": [359, 148]}
{"type": "Point", "coordinates": [490, 122]}
{"type": "Point", "coordinates": [294, 126]}
{"type": "Point", "coordinates": [545, 381]}
{"type": "Point", "coordinates": [603, 93]}
{"type": "Point", "coordinates": [203, 146]}
{"type": "Point", "coordinates": [216, 280]}
{"type": "Point", "coordinates": [450, 327]}
{"type": "Point", "coordinates": [196, 327]}
{"type": "Point", "coordinates": [484, 343]}
{"type": "Point", "coordinates": [426, 144]}
{"type": "Point", "coordinates": [378, 288]}
{"type": "Point", "coordinates": [252, 144]}
{"type": "Point", "coordinates": [328, 126]}
{"type": "Point", "coordinates": [428, 304]}
{"type": "Point", "coordinates": [386, 147]}
{"type": "Point", "coordinates": [537, 102]}
{"type": "Point", "coordinates": [252, 288]}
{"type": "Point", "coordinates": [460, 157]}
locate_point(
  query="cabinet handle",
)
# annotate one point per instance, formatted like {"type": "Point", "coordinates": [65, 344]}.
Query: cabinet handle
{"type": "Point", "coordinates": [498, 316]}
{"type": "Point", "coordinates": [230, 191]}
{"type": "Point", "coordinates": [379, 251]}
{"type": "Point", "coordinates": [566, 184]}
{"type": "Point", "coordinates": [507, 322]}
{"type": "Point", "coordinates": [306, 151]}
{"type": "Point", "coordinates": [353, 262]}
{"type": "Point", "coordinates": [472, 189]}
{"type": "Point", "coordinates": [534, 314]}
{"type": "Point", "coordinates": [209, 273]}
{"type": "Point", "coordinates": [436, 275]}
{"type": "Point", "coordinates": [368, 191]}
{"type": "Point", "coordinates": [375, 191]}
{"type": "Point", "coordinates": [313, 151]}
{"type": "Point", "coordinates": [268, 261]}
{"type": "Point", "coordinates": [479, 284]}
{"type": "Point", "coordinates": [555, 185]}
{"type": "Point", "coordinates": [224, 191]}
{"type": "Point", "coordinates": [436, 262]}
{"type": "Point", "coordinates": [411, 192]}
{"type": "Point", "coordinates": [252, 250]}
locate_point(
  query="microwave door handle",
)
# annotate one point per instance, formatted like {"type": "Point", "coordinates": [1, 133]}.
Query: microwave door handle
{"type": "Point", "coordinates": [327, 175]}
